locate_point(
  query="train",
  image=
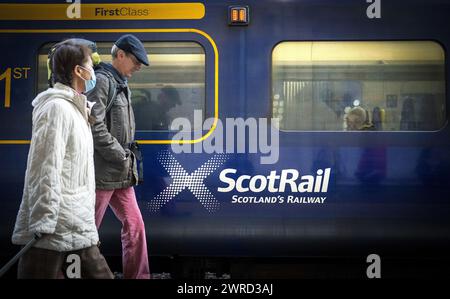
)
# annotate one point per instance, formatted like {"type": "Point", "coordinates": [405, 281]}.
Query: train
{"type": "Point", "coordinates": [253, 159]}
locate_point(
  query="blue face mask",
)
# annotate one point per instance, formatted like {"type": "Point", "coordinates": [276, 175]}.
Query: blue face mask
{"type": "Point", "coordinates": [89, 84]}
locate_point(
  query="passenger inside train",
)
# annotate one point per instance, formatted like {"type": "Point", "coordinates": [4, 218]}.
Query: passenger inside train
{"type": "Point", "coordinates": [357, 120]}
{"type": "Point", "coordinates": [154, 114]}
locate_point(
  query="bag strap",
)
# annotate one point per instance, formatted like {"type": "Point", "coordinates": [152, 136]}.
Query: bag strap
{"type": "Point", "coordinates": [112, 89]}
{"type": "Point", "coordinates": [134, 148]}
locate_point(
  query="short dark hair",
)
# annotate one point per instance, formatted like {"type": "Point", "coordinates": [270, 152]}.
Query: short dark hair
{"type": "Point", "coordinates": [66, 56]}
{"type": "Point", "coordinates": [171, 94]}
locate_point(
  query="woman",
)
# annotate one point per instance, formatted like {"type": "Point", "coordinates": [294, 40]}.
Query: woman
{"type": "Point", "coordinates": [59, 192]}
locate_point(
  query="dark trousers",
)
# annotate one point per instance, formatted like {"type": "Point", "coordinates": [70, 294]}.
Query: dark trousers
{"type": "Point", "coordinates": [38, 263]}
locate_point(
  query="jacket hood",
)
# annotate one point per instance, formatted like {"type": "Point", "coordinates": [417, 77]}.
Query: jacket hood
{"type": "Point", "coordinates": [61, 91]}
{"type": "Point", "coordinates": [58, 91]}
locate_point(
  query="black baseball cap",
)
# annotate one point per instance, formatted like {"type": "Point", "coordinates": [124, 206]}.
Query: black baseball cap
{"type": "Point", "coordinates": [131, 44]}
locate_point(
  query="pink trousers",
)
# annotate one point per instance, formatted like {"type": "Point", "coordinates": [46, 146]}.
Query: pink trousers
{"type": "Point", "coordinates": [134, 244]}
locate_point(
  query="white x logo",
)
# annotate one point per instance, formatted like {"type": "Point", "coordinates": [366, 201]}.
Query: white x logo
{"type": "Point", "coordinates": [194, 181]}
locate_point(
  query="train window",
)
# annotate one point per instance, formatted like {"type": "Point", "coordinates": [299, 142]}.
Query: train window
{"type": "Point", "coordinates": [172, 86]}
{"type": "Point", "coordinates": [399, 84]}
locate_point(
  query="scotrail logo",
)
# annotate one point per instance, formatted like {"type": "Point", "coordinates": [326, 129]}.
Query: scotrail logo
{"type": "Point", "coordinates": [194, 181]}
{"type": "Point", "coordinates": [287, 180]}
{"type": "Point", "coordinates": [284, 187]}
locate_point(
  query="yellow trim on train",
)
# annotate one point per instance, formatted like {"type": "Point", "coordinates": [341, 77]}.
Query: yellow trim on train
{"type": "Point", "coordinates": [15, 141]}
{"type": "Point", "coordinates": [187, 30]}
{"type": "Point", "coordinates": [102, 12]}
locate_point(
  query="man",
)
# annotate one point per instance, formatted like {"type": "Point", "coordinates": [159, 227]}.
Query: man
{"type": "Point", "coordinates": [168, 99]}
{"type": "Point", "coordinates": [154, 114]}
{"type": "Point", "coordinates": [115, 162]}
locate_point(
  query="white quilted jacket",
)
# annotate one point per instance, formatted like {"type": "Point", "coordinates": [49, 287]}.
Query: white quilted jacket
{"type": "Point", "coordinates": [59, 191]}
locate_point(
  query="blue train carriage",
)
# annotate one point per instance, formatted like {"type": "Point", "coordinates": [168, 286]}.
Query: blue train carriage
{"type": "Point", "coordinates": [325, 190]}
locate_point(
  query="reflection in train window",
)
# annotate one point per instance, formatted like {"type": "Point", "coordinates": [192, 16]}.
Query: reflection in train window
{"type": "Point", "coordinates": [401, 85]}
{"type": "Point", "coordinates": [172, 86]}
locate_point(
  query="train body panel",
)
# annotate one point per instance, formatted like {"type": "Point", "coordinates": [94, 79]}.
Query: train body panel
{"type": "Point", "coordinates": [344, 192]}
